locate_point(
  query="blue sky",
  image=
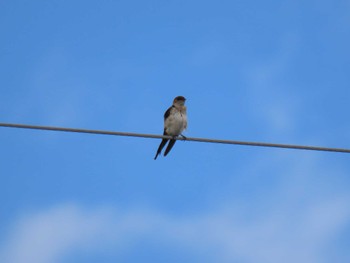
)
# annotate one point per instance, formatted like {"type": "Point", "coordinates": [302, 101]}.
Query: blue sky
{"type": "Point", "coordinates": [271, 71]}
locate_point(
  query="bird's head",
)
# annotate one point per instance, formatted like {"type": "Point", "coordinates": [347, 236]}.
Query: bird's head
{"type": "Point", "coordinates": [179, 100]}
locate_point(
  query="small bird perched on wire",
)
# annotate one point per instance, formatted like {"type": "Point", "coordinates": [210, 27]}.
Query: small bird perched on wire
{"type": "Point", "coordinates": [175, 122]}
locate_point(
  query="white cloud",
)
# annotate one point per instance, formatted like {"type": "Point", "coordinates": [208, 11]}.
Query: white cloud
{"type": "Point", "coordinates": [297, 222]}
{"type": "Point", "coordinates": [45, 236]}
{"type": "Point", "coordinates": [49, 236]}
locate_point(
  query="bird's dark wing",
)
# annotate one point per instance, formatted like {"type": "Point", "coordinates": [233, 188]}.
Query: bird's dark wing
{"type": "Point", "coordinates": [164, 141]}
{"type": "Point", "coordinates": [167, 113]}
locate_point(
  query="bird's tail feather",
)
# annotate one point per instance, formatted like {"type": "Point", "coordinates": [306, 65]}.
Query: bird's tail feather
{"type": "Point", "coordinates": [160, 148]}
{"type": "Point", "coordinates": [170, 145]}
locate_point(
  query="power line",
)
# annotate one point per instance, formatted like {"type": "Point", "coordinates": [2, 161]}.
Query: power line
{"type": "Point", "coordinates": [154, 136]}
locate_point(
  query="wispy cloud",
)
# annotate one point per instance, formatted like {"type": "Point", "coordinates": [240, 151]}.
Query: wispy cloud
{"type": "Point", "coordinates": [53, 94]}
{"type": "Point", "coordinates": [298, 225]}
{"type": "Point", "coordinates": [45, 236]}
{"type": "Point", "coordinates": [269, 91]}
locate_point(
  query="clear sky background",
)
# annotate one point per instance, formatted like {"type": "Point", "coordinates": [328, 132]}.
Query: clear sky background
{"type": "Point", "coordinates": [270, 71]}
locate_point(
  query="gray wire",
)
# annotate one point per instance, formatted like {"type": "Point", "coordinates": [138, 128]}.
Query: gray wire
{"type": "Point", "coordinates": [153, 136]}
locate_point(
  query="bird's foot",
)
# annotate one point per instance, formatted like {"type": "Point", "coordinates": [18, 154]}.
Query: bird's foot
{"type": "Point", "coordinates": [183, 136]}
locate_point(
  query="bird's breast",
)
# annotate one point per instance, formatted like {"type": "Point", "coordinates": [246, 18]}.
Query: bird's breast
{"type": "Point", "coordinates": [175, 123]}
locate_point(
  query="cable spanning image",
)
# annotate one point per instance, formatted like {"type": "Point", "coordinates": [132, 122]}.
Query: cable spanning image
{"type": "Point", "coordinates": [153, 136]}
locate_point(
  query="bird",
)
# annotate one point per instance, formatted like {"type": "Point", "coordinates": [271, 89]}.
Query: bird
{"type": "Point", "coordinates": [175, 122]}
